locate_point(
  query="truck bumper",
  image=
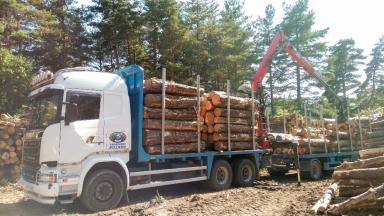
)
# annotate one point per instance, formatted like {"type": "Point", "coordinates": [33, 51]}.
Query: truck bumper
{"type": "Point", "coordinates": [44, 193]}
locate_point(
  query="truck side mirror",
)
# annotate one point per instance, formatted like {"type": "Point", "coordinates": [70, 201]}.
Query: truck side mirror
{"type": "Point", "coordinates": [71, 110]}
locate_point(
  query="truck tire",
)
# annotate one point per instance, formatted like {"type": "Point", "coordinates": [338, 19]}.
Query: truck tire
{"type": "Point", "coordinates": [221, 175]}
{"type": "Point", "coordinates": [315, 170]}
{"type": "Point", "coordinates": [103, 190]}
{"type": "Point", "coordinates": [275, 171]}
{"type": "Point", "coordinates": [244, 173]}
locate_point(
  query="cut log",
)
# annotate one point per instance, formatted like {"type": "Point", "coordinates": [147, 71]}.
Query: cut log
{"type": "Point", "coordinates": [377, 124]}
{"type": "Point", "coordinates": [235, 121]}
{"type": "Point", "coordinates": [221, 100]}
{"type": "Point", "coordinates": [241, 137]}
{"type": "Point", "coordinates": [222, 146]}
{"type": "Point", "coordinates": [360, 164]}
{"type": "Point", "coordinates": [366, 173]}
{"type": "Point", "coordinates": [210, 129]}
{"type": "Point", "coordinates": [154, 85]}
{"type": "Point", "coordinates": [350, 191]}
{"type": "Point", "coordinates": [153, 137]}
{"type": "Point", "coordinates": [234, 128]}
{"type": "Point", "coordinates": [323, 202]}
{"type": "Point", "coordinates": [222, 112]}
{"type": "Point", "coordinates": [171, 101]}
{"type": "Point", "coordinates": [361, 182]}
{"type": "Point", "coordinates": [170, 114]}
{"type": "Point", "coordinates": [369, 197]}
{"type": "Point", "coordinates": [209, 118]}
{"type": "Point", "coordinates": [175, 148]}
{"type": "Point", "coordinates": [208, 105]}
{"type": "Point", "coordinates": [171, 125]}
{"type": "Point", "coordinates": [371, 152]}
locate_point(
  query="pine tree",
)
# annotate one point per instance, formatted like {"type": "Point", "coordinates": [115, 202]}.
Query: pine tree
{"type": "Point", "coordinates": [298, 26]}
{"type": "Point", "coordinates": [372, 90]}
{"type": "Point", "coordinates": [343, 64]}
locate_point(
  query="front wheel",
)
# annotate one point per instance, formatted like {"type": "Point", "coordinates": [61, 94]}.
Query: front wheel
{"type": "Point", "coordinates": [221, 175]}
{"type": "Point", "coordinates": [103, 190]}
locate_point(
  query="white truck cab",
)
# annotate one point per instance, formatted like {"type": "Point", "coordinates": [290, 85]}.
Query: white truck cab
{"type": "Point", "coordinates": [81, 118]}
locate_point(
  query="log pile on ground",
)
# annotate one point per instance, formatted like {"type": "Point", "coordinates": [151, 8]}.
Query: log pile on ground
{"type": "Point", "coordinates": [181, 123]}
{"type": "Point", "coordinates": [11, 143]}
{"type": "Point", "coordinates": [215, 113]}
{"type": "Point", "coordinates": [361, 182]}
{"type": "Point", "coordinates": [374, 140]}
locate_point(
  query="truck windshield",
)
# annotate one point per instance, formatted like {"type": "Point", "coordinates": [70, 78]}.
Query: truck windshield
{"type": "Point", "coordinates": [46, 108]}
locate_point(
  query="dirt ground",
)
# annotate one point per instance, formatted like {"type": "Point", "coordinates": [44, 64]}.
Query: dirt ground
{"type": "Point", "coordinates": [269, 196]}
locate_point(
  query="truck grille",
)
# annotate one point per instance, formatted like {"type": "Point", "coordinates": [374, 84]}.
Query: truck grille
{"type": "Point", "coordinates": [31, 156]}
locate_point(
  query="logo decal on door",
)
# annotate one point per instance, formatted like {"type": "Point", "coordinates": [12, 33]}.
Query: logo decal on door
{"type": "Point", "coordinates": [118, 137]}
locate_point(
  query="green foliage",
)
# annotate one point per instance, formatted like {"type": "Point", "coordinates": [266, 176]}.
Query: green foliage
{"type": "Point", "coordinates": [14, 81]}
{"type": "Point", "coordinates": [372, 90]}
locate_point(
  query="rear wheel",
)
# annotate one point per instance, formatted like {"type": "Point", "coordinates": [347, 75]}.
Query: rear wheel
{"type": "Point", "coordinates": [244, 173]}
{"type": "Point", "coordinates": [315, 170]}
{"type": "Point", "coordinates": [221, 175]}
{"type": "Point", "coordinates": [103, 190]}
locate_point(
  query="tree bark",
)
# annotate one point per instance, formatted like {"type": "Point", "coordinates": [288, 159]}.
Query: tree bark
{"type": "Point", "coordinates": [170, 114]}
{"type": "Point", "coordinates": [153, 137]}
{"type": "Point", "coordinates": [371, 152]}
{"type": "Point", "coordinates": [222, 112]}
{"type": "Point", "coordinates": [366, 173]}
{"type": "Point", "coordinates": [171, 125]}
{"type": "Point", "coordinates": [222, 146]}
{"type": "Point", "coordinates": [234, 128]}
{"type": "Point", "coordinates": [221, 100]}
{"type": "Point", "coordinates": [171, 101]}
{"type": "Point", "coordinates": [235, 121]}
{"type": "Point", "coordinates": [241, 137]}
{"type": "Point", "coordinates": [361, 164]}
{"type": "Point", "coordinates": [175, 148]}
{"type": "Point", "coordinates": [324, 201]}
{"type": "Point", "coordinates": [154, 85]}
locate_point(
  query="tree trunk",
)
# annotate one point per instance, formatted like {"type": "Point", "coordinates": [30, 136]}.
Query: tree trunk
{"type": "Point", "coordinates": [170, 114]}
{"type": "Point", "coordinates": [241, 137]}
{"type": "Point", "coordinates": [154, 85]}
{"type": "Point", "coordinates": [368, 198]}
{"type": "Point", "coordinates": [371, 152]}
{"type": "Point", "coordinates": [222, 112]}
{"type": "Point", "coordinates": [234, 128]}
{"type": "Point", "coordinates": [298, 87]}
{"type": "Point", "coordinates": [235, 121]}
{"type": "Point", "coordinates": [171, 125]}
{"type": "Point", "coordinates": [366, 173]}
{"type": "Point", "coordinates": [221, 100]}
{"type": "Point", "coordinates": [323, 203]}
{"type": "Point", "coordinates": [361, 164]}
{"type": "Point", "coordinates": [223, 146]}
{"type": "Point", "coordinates": [171, 101]}
{"type": "Point", "coordinates": [175, 148]}
{"type": "Point", "coordinates": [153, 137]}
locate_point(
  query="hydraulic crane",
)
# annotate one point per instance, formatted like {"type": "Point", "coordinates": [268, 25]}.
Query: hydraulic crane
{"type": "Point", "coordinates": [278, 40]}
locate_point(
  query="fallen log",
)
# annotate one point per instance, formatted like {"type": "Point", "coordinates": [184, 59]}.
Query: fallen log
{"type": "Point", "coordinates": [243, 137]}
{"type": "Point", "coordinates": [324, 201]}
{"type": "Point", "coordinates": [175, 148]}
{"type": "Point", "coordinates": [171, 101]}
{"type": "Point", "coordinates": [222, 146]}
{"type": "Point", "coordinates": [222, 112]}
{"type": "Point", "coordinates": [360, 164]}
{"type": "Point", "coordinates": [359, 173]}
{"type": "Point", "coordinates": [234, 128]}
{"type": "Point", "coordinates": [171, 125]}
{"type": "Point", "coordinates": [351, 190]}
{"type": "Point", "coordinates": [154, 85]}
{"type": "Point", "coordinates": [170, 114]}
{"type": "Point", "coordinates": [361, 182]}
{"type": "Point", "coordinates": [368, 198]}
{"type": "Point", "coordinates": [153, 137]}
{"type": "Point", "coordinates": [224, 120]}
{"type": "Point", "coordinates": [371, 152]}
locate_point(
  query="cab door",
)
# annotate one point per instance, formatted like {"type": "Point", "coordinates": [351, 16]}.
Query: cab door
{"type": "Point", "coordinates": [84, 135]}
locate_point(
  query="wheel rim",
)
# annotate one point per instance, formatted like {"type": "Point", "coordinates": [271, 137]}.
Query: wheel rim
{"type": "Point", "coordinates": [246, 173]}
{"type": "Point", "coordinates": [104, 191]}
{"type": "Point", "coordinates": [222, 175]}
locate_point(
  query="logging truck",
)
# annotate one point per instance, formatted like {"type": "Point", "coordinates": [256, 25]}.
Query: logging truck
{"type": "Point", "coordinates": [85, 141]}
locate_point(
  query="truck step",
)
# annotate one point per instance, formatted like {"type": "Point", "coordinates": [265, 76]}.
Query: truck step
{"type": "Point", "coordinates": [164, 171]}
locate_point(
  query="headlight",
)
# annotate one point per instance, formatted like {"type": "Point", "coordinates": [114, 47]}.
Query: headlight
{"type": "Point", "coordinates": [47, 177]}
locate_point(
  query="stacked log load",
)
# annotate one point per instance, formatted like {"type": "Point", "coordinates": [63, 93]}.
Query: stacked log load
{"type": "Point", "coordinates": [374, 139]}
{"type": "Point", "coordinates": [314, 135]}
{"type": "Point", "coordinates": [361, 182]}
{"type": "Point", "coordinates": [11, 142]}
{"type": "Point", "coordinates": [215, 114]}
{"type": "Point", "coordinates": [181, 123]}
